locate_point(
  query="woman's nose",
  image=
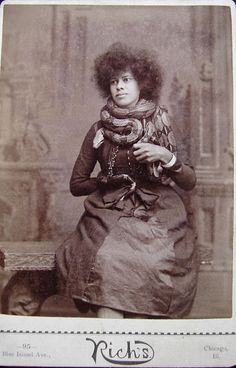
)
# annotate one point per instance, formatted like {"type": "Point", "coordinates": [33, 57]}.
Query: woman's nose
{"type": "Point", "coordinates": [119, 84]}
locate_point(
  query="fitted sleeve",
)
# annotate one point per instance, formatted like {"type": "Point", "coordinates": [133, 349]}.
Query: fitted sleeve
{"type": "Point", "coordinates": [185, 178]}
{"type": "Point", "coordinates": [81, 183]}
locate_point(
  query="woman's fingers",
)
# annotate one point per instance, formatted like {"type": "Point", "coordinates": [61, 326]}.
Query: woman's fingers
{"type": "Point", "coordinates": [140, 148]}
{"type": "Point", "coordinates": [144, 159]}
{"type": "Point", "coordinates": [149, 152]}
{"type": "Point", "coordinates": [138, 145]}
{"type": "Point", "coordinates": [146, 152]}
{"type": "Point", "coordinates": [138, 152]}
{"type": "Point", "coordinates": [140, 155]}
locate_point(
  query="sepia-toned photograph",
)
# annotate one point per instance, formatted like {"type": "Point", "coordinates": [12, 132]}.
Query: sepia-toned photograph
{"type": "Point", "coordinates": [116, 161]}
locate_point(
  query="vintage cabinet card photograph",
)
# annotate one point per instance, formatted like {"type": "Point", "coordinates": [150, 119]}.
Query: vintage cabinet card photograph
{"type": "Point", "coordinates": [117, 181]}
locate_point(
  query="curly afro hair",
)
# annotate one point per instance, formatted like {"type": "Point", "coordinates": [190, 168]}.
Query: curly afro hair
{"type": "Point", "coordinates": [142, 64]}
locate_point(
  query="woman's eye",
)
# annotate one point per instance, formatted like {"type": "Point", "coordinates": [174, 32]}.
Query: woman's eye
{"type": "Point", "coordinates": [126, 79]}
{"type": "Point", "coordinates": [113, 81]}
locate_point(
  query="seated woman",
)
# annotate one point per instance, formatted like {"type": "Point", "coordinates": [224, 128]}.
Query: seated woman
{"type": "Point", "coordinates": [133, 252]}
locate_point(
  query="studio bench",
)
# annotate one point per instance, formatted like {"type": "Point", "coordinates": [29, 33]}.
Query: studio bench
{"type": "Point", "coordinates": [33, 280]}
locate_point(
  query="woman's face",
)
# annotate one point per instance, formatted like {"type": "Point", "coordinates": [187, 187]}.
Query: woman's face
{"type": "Point", "coordinates": [124, 89]}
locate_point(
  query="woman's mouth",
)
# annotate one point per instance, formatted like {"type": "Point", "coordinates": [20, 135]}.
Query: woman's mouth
{"type": "Point", "coordinates": [121, 94]}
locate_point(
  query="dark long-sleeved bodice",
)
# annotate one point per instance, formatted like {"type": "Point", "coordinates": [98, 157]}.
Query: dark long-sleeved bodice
{"type": "Point", "coordinates": [82, 184]}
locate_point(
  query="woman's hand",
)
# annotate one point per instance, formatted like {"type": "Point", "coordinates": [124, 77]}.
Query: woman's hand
{"type": "Point", "coordinates": [148, 153]}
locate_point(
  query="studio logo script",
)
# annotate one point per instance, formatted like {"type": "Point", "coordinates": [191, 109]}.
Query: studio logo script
{"type": "Point", "coordinates": [131, 352]}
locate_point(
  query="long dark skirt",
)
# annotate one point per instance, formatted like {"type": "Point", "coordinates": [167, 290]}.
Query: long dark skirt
{"type": "Point", "coordinates": [136, 256]}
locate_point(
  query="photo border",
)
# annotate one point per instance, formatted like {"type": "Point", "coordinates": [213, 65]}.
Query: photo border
{"type": "Point", "coordinates": [209, 330]}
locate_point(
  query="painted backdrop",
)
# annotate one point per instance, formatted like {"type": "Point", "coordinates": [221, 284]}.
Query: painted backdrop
{"type": "Point", "coordinates": [48, 101]}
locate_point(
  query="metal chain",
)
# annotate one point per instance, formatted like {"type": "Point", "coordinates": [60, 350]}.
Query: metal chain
{"type": "Point", "coordinates": [112, 159]}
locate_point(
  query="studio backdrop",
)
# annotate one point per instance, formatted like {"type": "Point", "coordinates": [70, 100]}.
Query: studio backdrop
{"type": "Point", "coordinates": [48, 101]}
